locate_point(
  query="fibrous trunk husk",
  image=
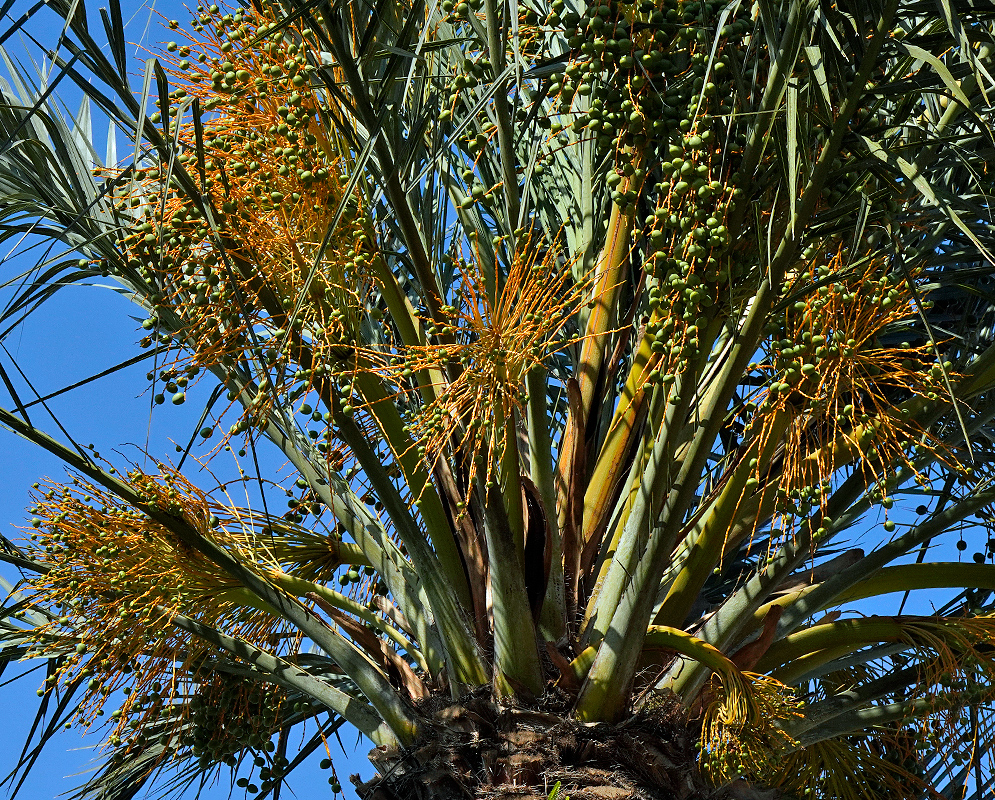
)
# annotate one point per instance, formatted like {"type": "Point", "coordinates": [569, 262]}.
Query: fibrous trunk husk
{"type": "Point", "coordinates": [475, 750]}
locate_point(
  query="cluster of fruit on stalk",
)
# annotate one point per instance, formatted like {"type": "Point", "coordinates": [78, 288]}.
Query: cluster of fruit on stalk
{"type": "Point", "coordinates": [652, 85]}
{"type": "Point", "coordinates": [272, 182]}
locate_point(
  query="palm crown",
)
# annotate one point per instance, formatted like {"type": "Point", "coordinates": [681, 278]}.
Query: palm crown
{"type": "Point", "coordinates": [595, 336]}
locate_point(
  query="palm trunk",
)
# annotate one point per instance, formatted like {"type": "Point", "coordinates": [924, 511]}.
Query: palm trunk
{"type": "Point", "coordinates": [478, 750]}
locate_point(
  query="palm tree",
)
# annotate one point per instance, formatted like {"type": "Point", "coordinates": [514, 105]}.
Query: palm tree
{"type": "Point", "coordinates": [598, 338]}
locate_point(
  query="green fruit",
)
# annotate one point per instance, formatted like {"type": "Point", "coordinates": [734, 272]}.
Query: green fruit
{"type": "Point", "coordinates": [179, 398]}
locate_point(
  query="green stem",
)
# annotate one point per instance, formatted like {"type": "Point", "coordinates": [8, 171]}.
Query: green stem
{"type": "Point", "coordinates": [553, 618]}
{"type": "Point", "coordinates": [876, 716]}
{"type": "Point", "coordinates": [516, 654]}
{"type": "Point", "coordinates": [663, 636]}
{"type": "Point", "coordinates": [905, 577]}
{"type": "Point", "coordinates": [355, 711]}
{"type": "Point", "coordinates": [510, 477]}
{"type": "Point", "coordinates": [300, 588]}
{"type": "Point", "coordinates": [865, 630]}
{"type": "Point", "coordinates": [496, 32]}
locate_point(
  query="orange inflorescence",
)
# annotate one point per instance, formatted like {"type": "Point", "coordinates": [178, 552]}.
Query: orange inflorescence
{"type": "Point", "coordinates": [849, 388]}
{"type": "Point", "coordinates": [742, 726]}
{"type": "Point", "coordinates": [484, 351]}
{"type": "Point", "coordinates": [277, 276]}
{"type": "Point", "coordinates": [119, 577]}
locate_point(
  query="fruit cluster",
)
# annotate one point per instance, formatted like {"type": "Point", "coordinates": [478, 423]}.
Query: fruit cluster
{"type": "Point", "coordinates": [118, 578]}
{"type": "Point", "coordinates": [246, 276]}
